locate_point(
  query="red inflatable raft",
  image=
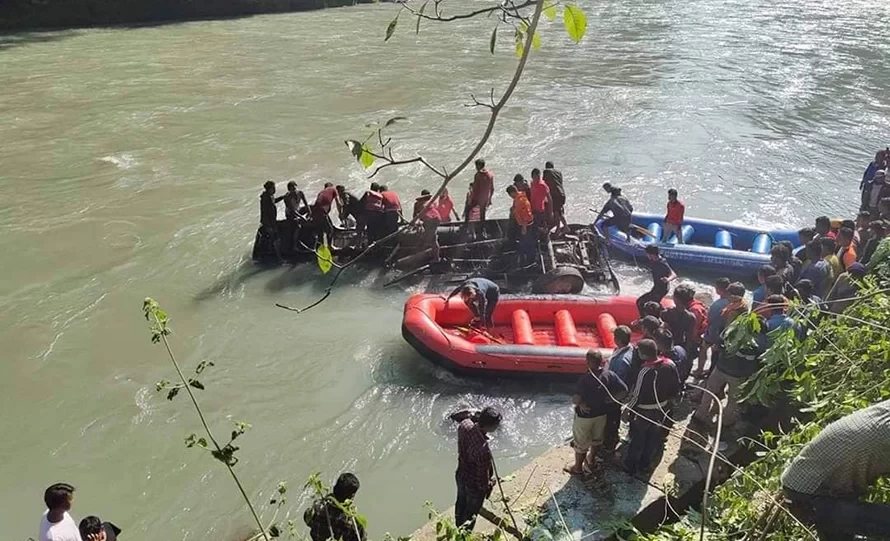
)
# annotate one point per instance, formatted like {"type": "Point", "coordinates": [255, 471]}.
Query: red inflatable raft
{"type": "Point", "coordinates": [532, 335]}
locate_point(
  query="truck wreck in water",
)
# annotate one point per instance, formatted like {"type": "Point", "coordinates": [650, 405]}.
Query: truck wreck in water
{"type": "Point", "coordinates": [563, 264]}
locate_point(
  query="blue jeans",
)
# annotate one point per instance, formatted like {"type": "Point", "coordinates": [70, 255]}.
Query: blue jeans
{"type": "Point", "coordinates": [469, 503]}
{"type": "Point", "coordinates": [840, 519]}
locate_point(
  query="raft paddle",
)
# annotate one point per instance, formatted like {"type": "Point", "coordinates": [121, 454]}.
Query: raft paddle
{"type": "Point", "coordinates": [323, 255]}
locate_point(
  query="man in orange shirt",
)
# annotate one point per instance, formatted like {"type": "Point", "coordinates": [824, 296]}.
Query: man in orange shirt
{"type": "Point", "coordinates": [542, 202]}
{"type": "Point", "coordinates": [673, 221]}
{"type": "Point", "coordinates": [846, 252]}
{"type": "Point", "coordinates": [522, 215]}
{"type": "Point", "coordinates": [481, 192]}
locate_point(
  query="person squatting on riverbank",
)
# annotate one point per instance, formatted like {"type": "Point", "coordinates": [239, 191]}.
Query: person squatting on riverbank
{"type": "Point", "coordinates": [475, 470]}
{"type": "Point", "coordinates": [56, 523]}
{"type": "Point", "coordinates": [326, 519]}
{"type": "Point", "coordinates": [824, 482]}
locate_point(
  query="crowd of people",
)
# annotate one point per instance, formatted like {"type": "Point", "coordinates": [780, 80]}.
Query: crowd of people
{"type": "Point", "coordinates": [689, 342]}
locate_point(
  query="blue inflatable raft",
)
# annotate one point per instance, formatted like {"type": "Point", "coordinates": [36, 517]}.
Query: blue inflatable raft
{"type": "Point", "coordinates": [709, 246]}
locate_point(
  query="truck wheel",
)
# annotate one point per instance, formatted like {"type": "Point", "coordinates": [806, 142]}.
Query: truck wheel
{"type": "Point", "coordinates": [563, 280]}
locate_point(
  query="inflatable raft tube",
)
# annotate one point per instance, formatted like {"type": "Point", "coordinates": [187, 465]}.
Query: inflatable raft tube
{"type": "Point", "coordinates": [536, 336]}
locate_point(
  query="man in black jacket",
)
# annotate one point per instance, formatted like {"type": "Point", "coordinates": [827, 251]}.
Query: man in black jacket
{"type": "Point", "coordinates": [326, 519]}
{"type": "Point", "coordinates": [657, 384]}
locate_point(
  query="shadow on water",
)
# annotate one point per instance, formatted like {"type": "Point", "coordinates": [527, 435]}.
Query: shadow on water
{"type": "Point", "coordinates": [238, 275]}
{"type": "Point", "coordinates": [17, 39]}
{"type": "Point", "coordinates": [150, 15]}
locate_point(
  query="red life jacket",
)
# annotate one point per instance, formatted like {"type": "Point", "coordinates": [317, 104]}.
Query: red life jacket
{"type": "Point", "coordinates": [391, 201]}
{"type": "Point", "coordinates": [373, 201]}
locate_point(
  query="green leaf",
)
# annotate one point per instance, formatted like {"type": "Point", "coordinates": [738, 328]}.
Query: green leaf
{"type": "Point", "coordinates": [536, 41]}
{"type": "Point", "coordinates": [366, 159]}
{"type": "Point", "coordinates": [575, 22]}
{"type": "Point", "coordinates": [494, 38]}
{"type": "Point", "coordinates": [392, 27]}
{"type": "Point", "coordinates": [549, 12]}
{"type": "Point", "coordinates": [519, 42]}
{"type": "Point", "coordinates": [393, 120]}
{"type": "Point", "coordinates": [420, 16]}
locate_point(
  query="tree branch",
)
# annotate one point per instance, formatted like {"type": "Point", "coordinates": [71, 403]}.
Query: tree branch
{"type": "Point", "coordinates": [477, 103]}
{"type": "Point", "coordinates": [499, 7]}
{"type": "Point", "coordinates": [447, 178]}
{"type": "Point", "coordinates": [390, 161]}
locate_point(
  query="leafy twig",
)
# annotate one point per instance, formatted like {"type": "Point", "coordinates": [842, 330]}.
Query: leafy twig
{"type": "Point", "coordinates": [158, 320]}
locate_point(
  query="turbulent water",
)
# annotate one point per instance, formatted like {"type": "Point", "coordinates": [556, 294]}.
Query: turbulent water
{"type": "Point", "coordinates": [130, 165]}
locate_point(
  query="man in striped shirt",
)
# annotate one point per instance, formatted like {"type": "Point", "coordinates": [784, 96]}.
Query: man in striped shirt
{"type": "Point", "coordinates": [656, 385]}
{"type": "Point", "coordinates": [826, 480]}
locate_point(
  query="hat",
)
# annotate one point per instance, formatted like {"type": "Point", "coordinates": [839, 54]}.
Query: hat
{"type": "Point", "coordinates": [856, 269]}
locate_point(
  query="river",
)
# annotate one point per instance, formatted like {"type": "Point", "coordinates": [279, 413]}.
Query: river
{"type": "Point", "coordinates": [130, 165]}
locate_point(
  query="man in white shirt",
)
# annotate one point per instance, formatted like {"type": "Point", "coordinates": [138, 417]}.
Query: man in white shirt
{"type": "Point", "coordinates": [56, 524]}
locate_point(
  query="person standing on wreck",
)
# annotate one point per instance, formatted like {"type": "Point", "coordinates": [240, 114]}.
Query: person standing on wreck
{"type": "Point", "coordinates": [475, 470]}
{"type": "Point", "coordinates": [662, 275]}
{"type": "Point", "coordinates": [269, 215]}
{"type": "Point", "coordinates": [321, 219]}
{"type": "Point", "coordinates": [481, 192]}
{"type": "Point", "coordinates": [481, 297]}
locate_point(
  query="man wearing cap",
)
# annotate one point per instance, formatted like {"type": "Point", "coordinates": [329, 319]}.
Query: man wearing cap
{"type": "Point", "coordinates": [873, 192]}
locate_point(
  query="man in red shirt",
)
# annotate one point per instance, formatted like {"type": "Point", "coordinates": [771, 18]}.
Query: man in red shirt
{"type": "Point", "coordinates": [392, 210]}
{"type": "Point", "coordinates": [542, 202]}
{"type": "Point", "coordinates": [482, 188]}
{"type": "Point", "coordinates": [673, 220]}
{"type": "Point", "coordinates": [320, 218]}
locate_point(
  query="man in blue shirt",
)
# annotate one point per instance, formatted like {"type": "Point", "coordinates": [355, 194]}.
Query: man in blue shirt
{"type": "Point", "coordinates": [619, 362]}
{"type": "Point", "coordinates": [715, 325]}
{"type": "Point", "coordinates": [481, 297]}
{"type": "Point", "coordinates": [763, 273]}
{"type": "Point", "coordinates": [818, 270]}
{"type": "Point", "coordinates": [777, 319]}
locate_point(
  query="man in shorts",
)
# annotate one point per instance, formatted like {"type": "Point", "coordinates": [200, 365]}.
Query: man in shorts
{"type": "Point", "coordinates": [594, 396]}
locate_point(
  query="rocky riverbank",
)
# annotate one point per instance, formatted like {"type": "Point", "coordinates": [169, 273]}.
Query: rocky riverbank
{"type": "Point", "coordinates": [41, 14]}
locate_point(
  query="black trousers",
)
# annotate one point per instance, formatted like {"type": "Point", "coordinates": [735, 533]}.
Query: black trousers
{"type": "Point", "coordinates": [646, 440]}
{"type": "Point", "coordinates": [613, 423]}
{"type": "Point", "coordinates": [840, 519]}
{"type": "Point", "coordinates": [655, 294]}
{"type": "Point", "coordinates": [466, 508]}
